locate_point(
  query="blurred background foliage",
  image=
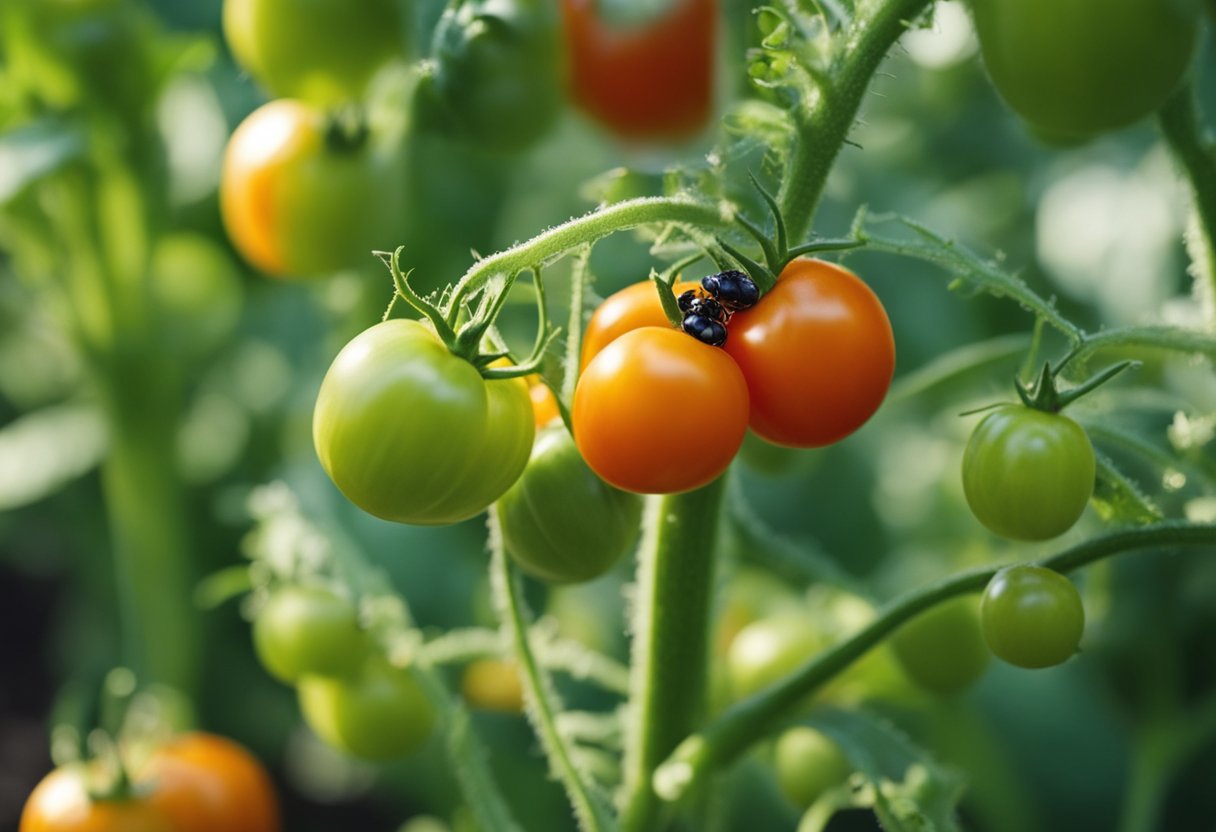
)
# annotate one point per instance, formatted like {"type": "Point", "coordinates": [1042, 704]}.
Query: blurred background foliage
{"type": "Point", "coordinates": [1099, 227]}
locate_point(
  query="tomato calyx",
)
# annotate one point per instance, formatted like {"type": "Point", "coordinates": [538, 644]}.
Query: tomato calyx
{"type": "Point", "coordinates": [1046, 396]}
{"type": "Point", "coordinates": [346, 130]}
{"type": "Point", "coordinates": [465, 330]}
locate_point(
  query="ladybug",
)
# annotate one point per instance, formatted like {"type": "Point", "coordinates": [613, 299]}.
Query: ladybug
{"type": "Point", "coordinates": [705, 329]}
{"type": "Point", "coordinates": [733, 289]}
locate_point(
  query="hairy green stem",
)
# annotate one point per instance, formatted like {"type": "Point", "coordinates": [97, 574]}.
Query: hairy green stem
{"type": "Point", "coordinates": [753, 718]}
{"type": "Point", "coordinates": [1181, 124]}
{"type": "Point", "coordinates": [670, 639]}
{"type": "Point", "coordinates": [588, 228]}
{"type": "Point", "coordinates": [825, 119]}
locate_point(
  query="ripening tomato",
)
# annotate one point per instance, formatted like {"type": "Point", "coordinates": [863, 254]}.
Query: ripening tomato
{"type": "Point", "coordinates": [817, 352]}
{"type": "Point", "coordinates": [321, 51]}
{"type": "Point", "coordinates": [412, 433]}
{"type": "Point", "coordinates": [560, 522]}
{"type": "Point", "coordinates": [61, 803]}
{"type": "Point", "coordinates": [1077, 68]}
{"type": "Point", "coordinates": [299, 198]}
{"type": "Point", "coordinates": [633, 406]}
{"type": "Point", "coordinates": [309, 630]}
{"type": "Point", "coordinates": [646, 79]}
{"type": "Point", "coordinates": [631, 308]}
{"type": "Point", "coordinates": [1028, 474]}
{"type": "Point", "coordinates": [1032, 616]}
{"type": "Point", "coordinates": [205, 782]}
{"type": "Point", "coordinates": [380, 714]}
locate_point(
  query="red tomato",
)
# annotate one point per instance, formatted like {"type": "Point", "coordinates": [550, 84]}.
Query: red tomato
{"type": "Point", "coordinates": [634, 403]}
{"type": "Point", "coordinates": [631, 308]}
{"type": "Point", "coordinates": [649, 80]}
{"type": "Point", "coordinates": [818, 355]}
{"type": "Point", "coordinates": [206, 783]}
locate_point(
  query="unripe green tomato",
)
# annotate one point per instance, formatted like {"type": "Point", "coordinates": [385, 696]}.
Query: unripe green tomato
{"type": "Point", "coordinates": [808, 763]}
{"type": "Point", "coordinates": [1027, 474]}
{"type": "Point", "coordinates": [380, 714]}
{"type": "Point", "coordinates": [321, 51]}
{"type": "Point", "coordinates": [1082, 67]}
{"type": "Point", "coordinates": [198, 288]}
{"type": "Point", "coordinates": [496, 71]}
{"type": "Point", "coordinates": [1032, 617]}
{"type": "Point", "coordinates": [412, 433]}
{"type": "Point", "coordinates": [562, 523]}
{"type": "Point", "coordinates": [306, 631]}
{"type": "Point", "coordinates": [766, 650]}
{"type": "Point", "coordinates": [942, 649]}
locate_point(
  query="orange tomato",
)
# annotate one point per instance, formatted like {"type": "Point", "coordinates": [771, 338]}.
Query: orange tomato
{"type": "Point", "coordinates": [295, 202]}
{"type": "Point", "coordinates": [817, 352]}
{"type": "Point", "coordinates": [544, 404]}
{"type": "Point", "coordinates": [61, 803]}
{"type": "Point", "coordinates": [631, 308]}
{"type": "Point", "coordinates": [207, 783]}
{"type": "Point", "coordinates": [634, 406]}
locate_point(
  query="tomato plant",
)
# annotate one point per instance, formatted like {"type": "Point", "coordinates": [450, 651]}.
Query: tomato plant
{"type": "Point", "coordinates": [645, 79]}
{"type": "Point", "coordinates": [1065, 69]}
{"type": "Point", "coordinates": [300, 197]}
{"type": "Point", "coordinates": [380, 714]}
{"type": "Point", "coordinates": [943, 650]}
{"type": "Point", "coordinates": [62, 803]}
{"type": "Point", "coordinates": [562, 523]}
{"type": "Point", "coordinates": [208, 782]}
{"type": "Point", "coordinates": [322, 51]}
{"type": "Point", "coordinates": [412, 433]}
{"type": "Point", "coordinates": [1028, 474]}
{"type": "Point", "coordinates": [818, 355]}
{"type": "Point", "coordinates": [1032, 617]}
{"type": "Point", "coordinates": [808, 763]}
{"type": "Point", "coordinates": [633, 307]}
{"type": "Point", "coordinates": [630, 406]}
{"type": "Point", "coordinates": [497, 71]}
{"type": "Point", "coordinates": [308, 630]}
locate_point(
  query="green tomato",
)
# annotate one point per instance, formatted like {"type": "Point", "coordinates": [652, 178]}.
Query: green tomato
{"type": "Point", "coordinates": [808, 763]}
{"type": "Point", "coordinates": [496, 71]}
{"type": "Point", "coordinates": [198, 289]}
{"type": "Point", "coordinates": [1028, 474]}
{"type": "Point", "coordinates": [412, 433]}
{"type": "Point", "coordinates": [306, 631]}
{"type": "Point", "coordinates": [942, 649]}
{"type": "Point", "coordinates": [380, 714]}
{"type": "Point", "coordinates": [766, 650]}
{"type": "Point", "coordinates": [1032, 617]}
{"type": "Point", "coordinates": [321, 51]}
{"type": "Point", "coordinates": [562, 523]}
{"type": "Point", "coordinates": [300, 199]}
{"type": "Point", "coordinates": [1078, 67]}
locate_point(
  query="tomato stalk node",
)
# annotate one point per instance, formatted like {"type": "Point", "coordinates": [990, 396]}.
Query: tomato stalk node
{"type": "Point", "coordinates": [1046, 396]}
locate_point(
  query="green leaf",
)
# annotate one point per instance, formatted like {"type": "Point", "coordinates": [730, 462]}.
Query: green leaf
{"type": "Point", "coordinates": [45, 450]}
{"type": "Point", "coordinates": [29, 153]}
{"type": "Point", "coordinates": [908, 790]}
{"type": "Point", "coordinates": [1118, 498]}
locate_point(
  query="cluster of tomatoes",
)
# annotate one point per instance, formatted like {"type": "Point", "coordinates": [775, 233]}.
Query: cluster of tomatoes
{"type": "Point", "coordinates": [195, 783]}
{"type": "Point", "coordinates": [310, 636]}
{"type": "Point", "coordinates": [804, 366]}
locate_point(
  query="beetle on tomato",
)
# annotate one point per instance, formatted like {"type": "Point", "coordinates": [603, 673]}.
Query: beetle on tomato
{"type": "Point", "coordinates": [817, 352]}
{"type": "Point", "coordinates": [302, 196]}
{"type": "Point", "coordinates": [562, 523]}
{"type": "Point", "coordinates": [412, 433]}
{"type": "Point", "coordinates": [635, 306]}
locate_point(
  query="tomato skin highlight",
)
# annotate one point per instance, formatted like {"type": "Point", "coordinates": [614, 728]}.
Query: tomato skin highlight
{"type": "Point", "coordinates": [1028, 474]}
{"type": "Point", "coordinates": [560, 522]}
{"type": "Point", "coordinates": [818, 355]}
{"type": "Point", "coordinates": [633, 307]}
{"type": "Point", "coordinates": [1032, 617]}
{"type": "Point", "coordinates": [205, 782]}
{"type": "Point", "coordinates": [321, 51]}
{"type": "Point", "coordinates": [308, 630]}
{"type": "Point", "coordinates": [61, 803]}
{"type": "Point", "coordinates": [1078, 68]}
{"type": "Point", "coordinates": [411, 433]}
{"type": "Point", "coordinates": [296, 207]}
{"type": "Point", "coordinates": [632, 407]}
{"type": "Point", "coordinates": [381, 714]}
{"type": "Point", "coordinates": [652, 80]}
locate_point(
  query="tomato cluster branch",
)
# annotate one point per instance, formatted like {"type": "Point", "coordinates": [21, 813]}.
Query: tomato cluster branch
{"type": "Point", "coordinates": [750, 720]}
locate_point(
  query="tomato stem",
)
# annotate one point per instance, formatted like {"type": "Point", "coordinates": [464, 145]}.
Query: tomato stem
{"type": "Point", "coordinates": [752, 719]}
